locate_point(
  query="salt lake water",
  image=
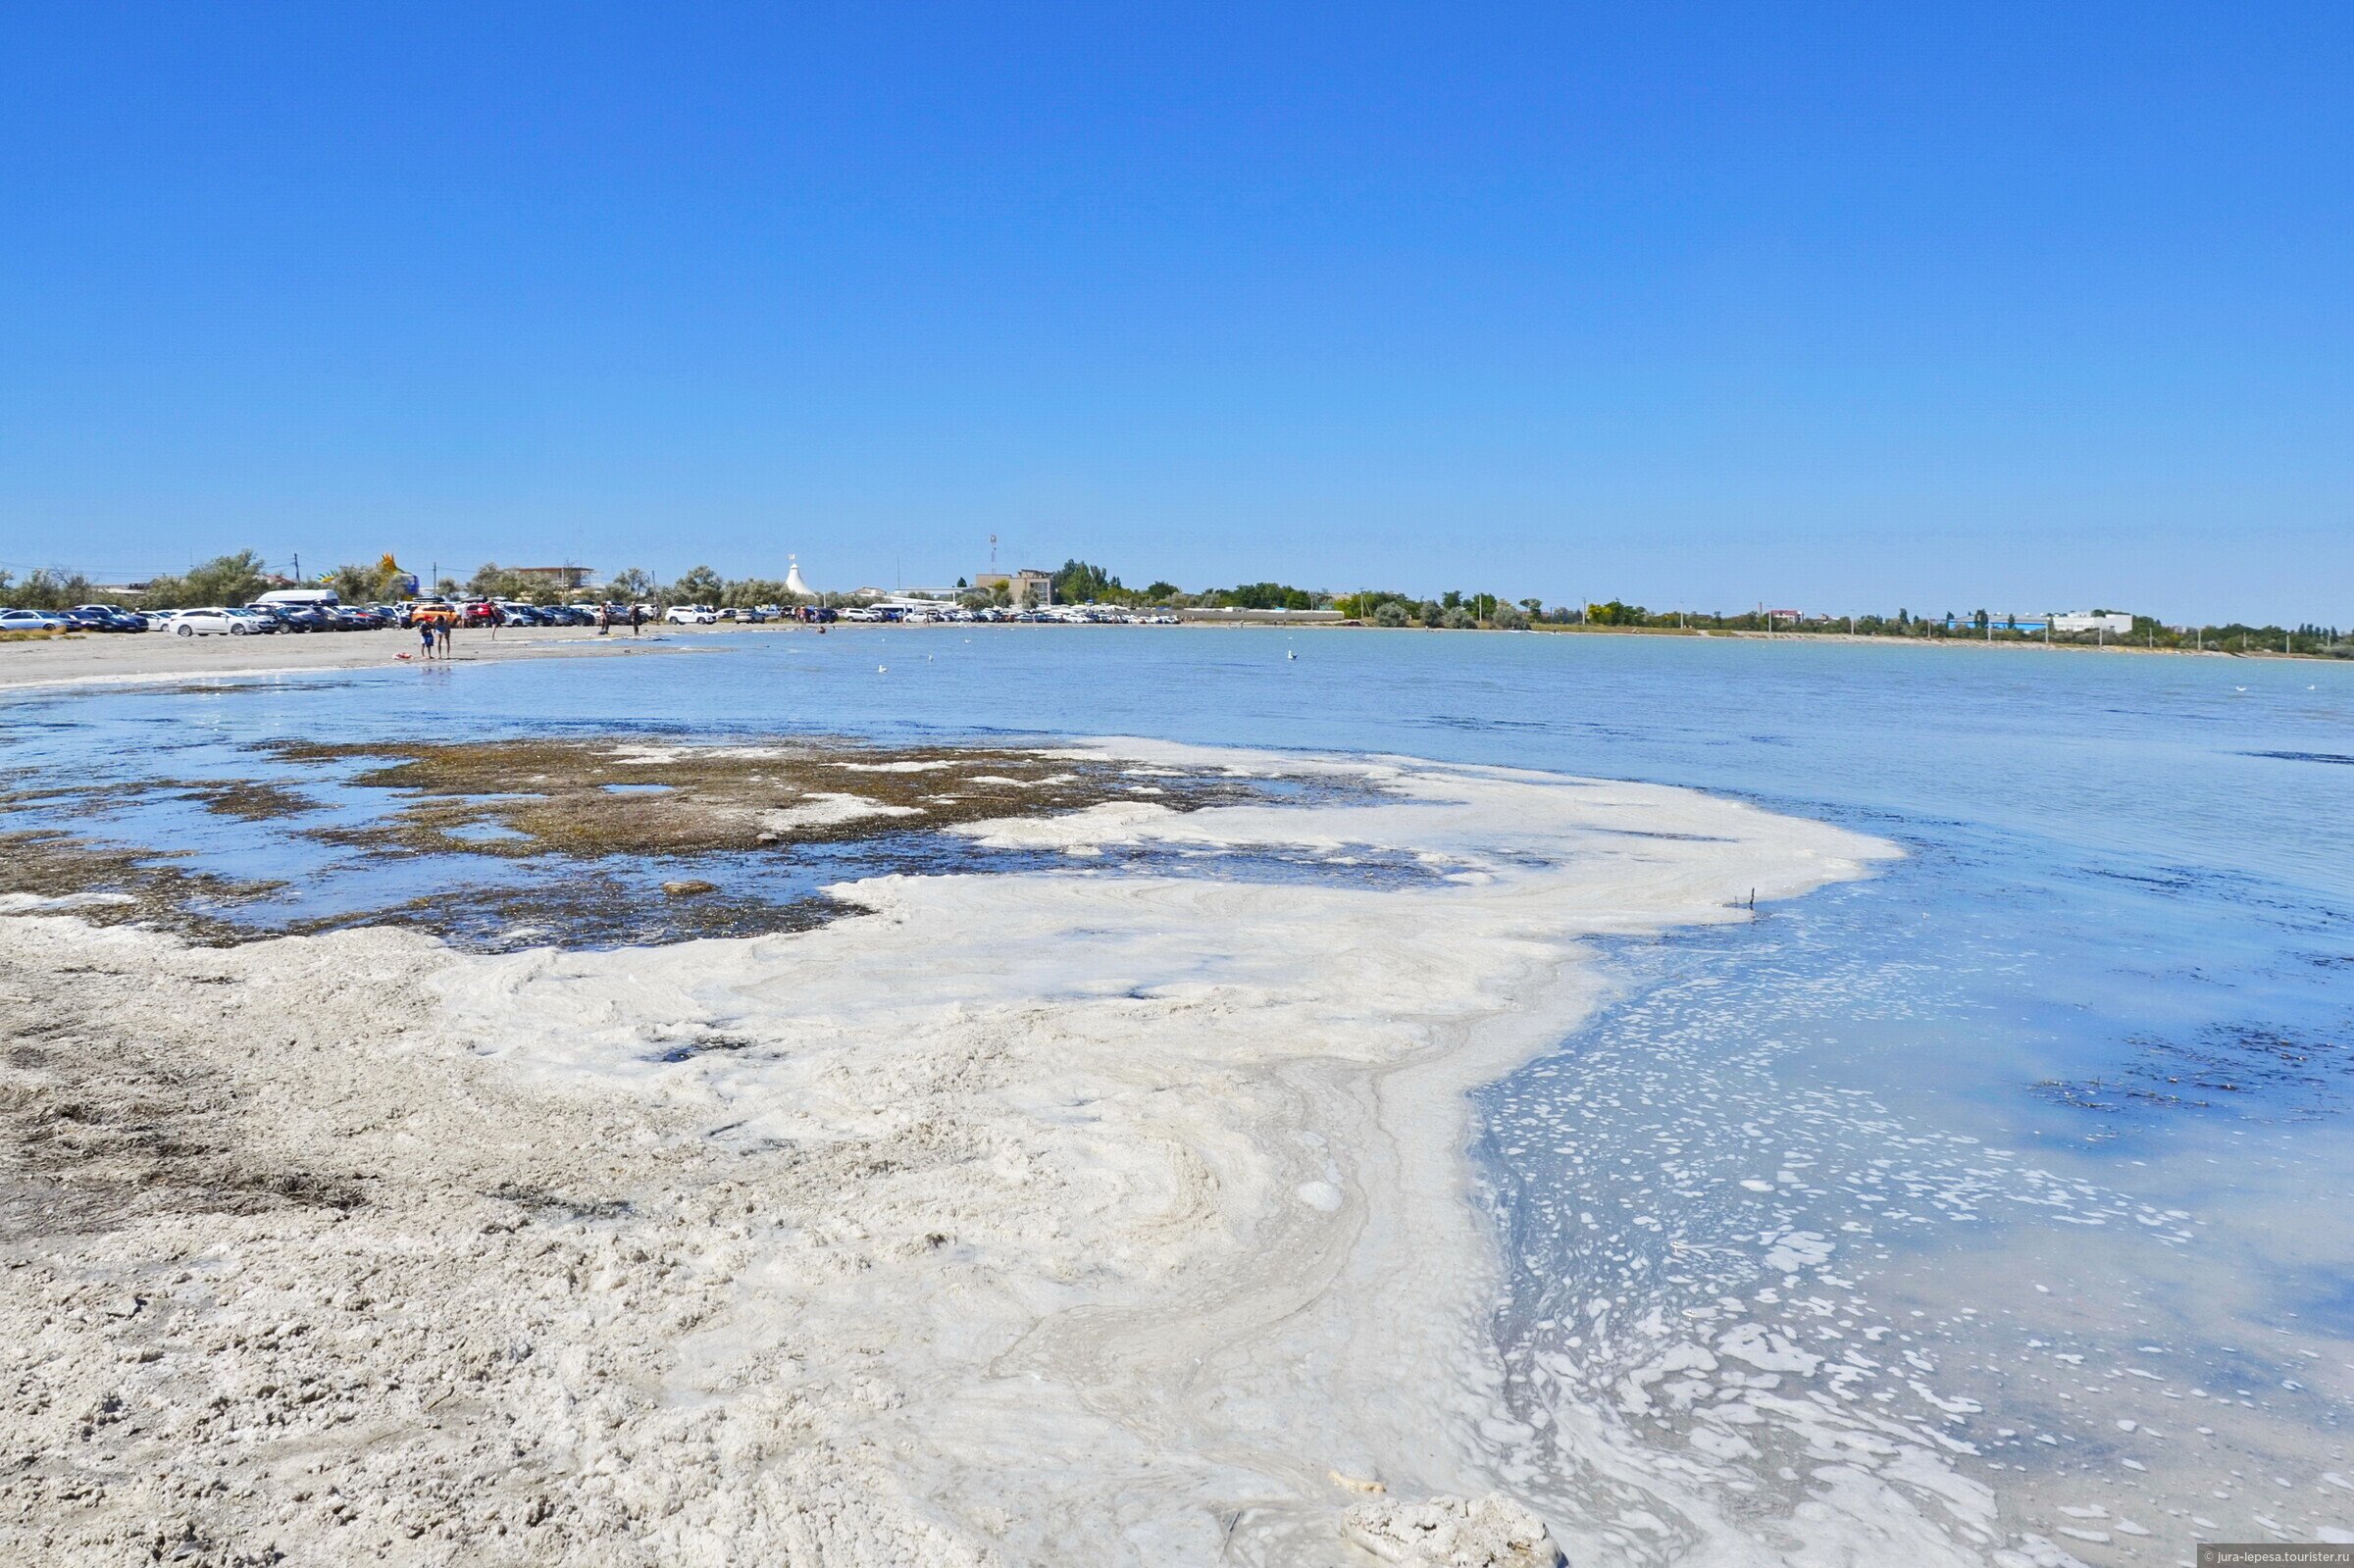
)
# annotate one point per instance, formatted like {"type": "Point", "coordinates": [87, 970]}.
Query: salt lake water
{"type": "Point", "coordinates": [2032, 1153]}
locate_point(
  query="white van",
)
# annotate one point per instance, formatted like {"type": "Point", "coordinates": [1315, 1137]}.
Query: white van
{"type": "Point", "coordinates": [299, 599]}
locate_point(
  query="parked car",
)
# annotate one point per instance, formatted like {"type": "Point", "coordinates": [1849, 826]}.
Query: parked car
{"type": "Point", "coordinates": [99, 618]}
{"type": "Point", "coordinates": [205, 623]}
{"type": "Point", "coordinates": [482, 613]}
{"type": "Point", "coordinates": [690, 615]}
{"type": "Point", "coordinates": [431, 613]}
{"type": "Point", "coordinates": [32, 621]}
{"type": "Point", "coordinates": [258, 623]}
{"type": "Point", "coordinates": [117, 618]}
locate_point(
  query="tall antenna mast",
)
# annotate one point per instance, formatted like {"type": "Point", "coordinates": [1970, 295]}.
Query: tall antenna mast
{"type": "Point", "coordinates": [993, 552]}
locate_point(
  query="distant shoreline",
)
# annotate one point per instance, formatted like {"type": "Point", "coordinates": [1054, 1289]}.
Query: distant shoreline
{"type": "Point", "coordinates": [1856, 639]}
{"type": "Point", "coordinates": [157, 660]}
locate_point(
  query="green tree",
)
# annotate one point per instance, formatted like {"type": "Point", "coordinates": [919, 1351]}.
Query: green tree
{"type": "Point", "coordinates": [1078, 582]}
{"type": "Point", "coordinates": [1162, 591]}
{"type": "Point", "coordinates": [224, 580]}
{"type": "Point", "coordinates": [45, 589]}
{"type": "Point", "coordinates": [359, 584]}
{"type": "Point", "coordinates": [697, 585]}
{"type": "Point", "coordinates": [630, 585]}
{"type": "Point", "coordinates": [744, 594]}
{"type": "Point", "coordinates": [491, 581]}
{"type": "Point", "coordinates": [1390, 613]}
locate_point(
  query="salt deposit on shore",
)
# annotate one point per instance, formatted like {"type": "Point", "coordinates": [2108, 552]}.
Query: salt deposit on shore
{"type": "Point", "coordinates": [1043, 1217]}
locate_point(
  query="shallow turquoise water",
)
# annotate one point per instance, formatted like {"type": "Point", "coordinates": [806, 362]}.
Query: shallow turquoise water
{"type": "Point", "coordinates": [2071, 1081]}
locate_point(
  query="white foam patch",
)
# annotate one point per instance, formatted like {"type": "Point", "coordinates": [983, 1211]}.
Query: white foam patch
{"type": "Point", "coordinates": [825, 809]}
{"type": "Point", "coordinates": [1200, 1142]}
{"type": "Point", "coordinates": [25, 903]}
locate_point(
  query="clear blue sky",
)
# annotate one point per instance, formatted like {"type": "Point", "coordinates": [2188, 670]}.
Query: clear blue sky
{"type": "Point", "coordinates": [1834, 306]}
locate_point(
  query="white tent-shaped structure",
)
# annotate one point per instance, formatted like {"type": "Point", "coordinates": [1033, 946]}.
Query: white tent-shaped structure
{"type": "Point", "coordinates": [793, 580]}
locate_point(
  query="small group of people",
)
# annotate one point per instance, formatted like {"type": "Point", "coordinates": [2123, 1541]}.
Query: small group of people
{"type": "Point", "coordinates": [434, 631]}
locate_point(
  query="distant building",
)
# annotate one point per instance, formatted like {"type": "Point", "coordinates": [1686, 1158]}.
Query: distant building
{"type": "Point", "coordinates": [1033, 588]}
{"type": "Point", "coordinates": [795, 585]}
{"type": "Point", "coordinates": [2111, 621]}
{"type": "Point", "coordinates": [567, 579]}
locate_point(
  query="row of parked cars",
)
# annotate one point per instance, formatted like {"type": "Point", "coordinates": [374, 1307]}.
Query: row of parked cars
{"type": "Point", "coordinates": [207, 621]}
{"type": "Point", "coordinates": [268, 615]}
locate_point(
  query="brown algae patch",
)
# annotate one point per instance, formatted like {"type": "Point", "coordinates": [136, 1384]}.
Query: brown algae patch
{"type": "Point", "coordinates": [595, 798]}
{"type": "Point", "coordinates": [46, 871]}
{"type": "Point", "coordinates": [498, 844]}
{"type": "Point", "coordinates": [248, 799]}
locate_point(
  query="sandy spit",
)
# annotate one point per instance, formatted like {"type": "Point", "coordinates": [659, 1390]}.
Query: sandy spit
{"type": "Point", "coordinates": [1060, 1218]}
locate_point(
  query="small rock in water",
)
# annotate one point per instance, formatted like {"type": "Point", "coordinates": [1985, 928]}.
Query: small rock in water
{"type": "Point", "coordinates": [1490, 1532]}
{"type": "Point", "coordinates": [687, 887]}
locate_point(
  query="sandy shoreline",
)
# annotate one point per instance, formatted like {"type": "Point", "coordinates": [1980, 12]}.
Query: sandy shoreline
{"type": "Point", "coordinates": [155, 657]}
{"type": "Point", "coordinates": [1031, 1218]}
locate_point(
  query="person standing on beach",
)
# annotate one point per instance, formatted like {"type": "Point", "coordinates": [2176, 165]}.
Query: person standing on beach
{"type": "Point", "coordinates": [637, 618]}
{"type": "Point", "coordinates": [425, 637]}
{"type": "Point", "coordinates": [441, 630]}
{"type": "Point", "coordinates": [604, 620]}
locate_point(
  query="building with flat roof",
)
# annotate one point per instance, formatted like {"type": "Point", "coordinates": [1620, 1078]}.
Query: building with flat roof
{"type": "Point", "coordinates": [2116, 622]}
{"type": "Point", "coordinates": [1033, 588]}
{"type": "Point", "coordinates": [566, 578]}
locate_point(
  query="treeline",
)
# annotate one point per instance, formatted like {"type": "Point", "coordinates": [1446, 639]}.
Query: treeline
{"type": "Point", "coordinates": [241, 578]}
{"type": "Point", "coordinates": [1979, 625]}
{"type": "Point", "coordinates": [1083, 582]}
